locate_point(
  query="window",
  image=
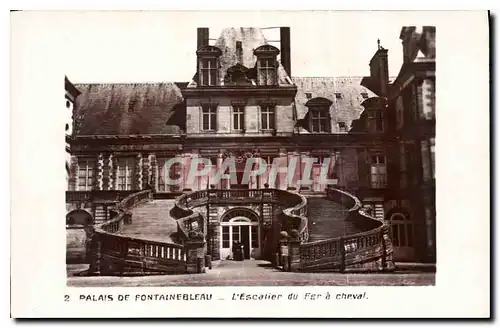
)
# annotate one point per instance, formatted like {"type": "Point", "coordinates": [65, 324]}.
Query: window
{"type": "Point", "coordinates": [86, 168]}
{"type": "Point", "coordinates": [208, 69]}
{"type": "Point", "coordinates": [255, 237]}
{"type": "Point", "coordinates": [401, 230]}
{"type": "Point", "coordinates": [66, 128]}
{"type": "Point", "coordinates": [378, 171]}
{"type": "Point", "coordinates": [238, 117]}
{"type": "Point", "coordinates": [376, 121]}
{"type": "Point", "coordinates": [267, 71]}
{"type": "Point", "coordinates": [403, 166]}
{"type": "Point", "coordinates": [320, 159]}
{"type": "Point", "coordinates": [338, 95]}
{"type": "Point", "coordinates": [342, 126]}
{"type": "Point", "coordinates": [209, 117]}
{"type": "Point", "coordinates": [399, 112]}
{"type": "Point", "coordinates": [164, 176]}
{"type": "Point", "coordinates": [433, 157]}
{"type": "Point", "coordinates": [320, 120]}
{"type": "Point", "coordinates": [426, 160]}
{"type": "Point", "coordinates": [364, 95]}
{"type": "Point", "coordinates": [267, 117]}
{"type": "Point", "coordinates": [236, 234]}
{"type": "Point", "coordinates": [225, 237]}
{"type": "Point", "coordinates": [308, 95]}
{"type": "Point", "coordinates": [126, 168]}
{"type": "Point", "coordinates": [68, 104]}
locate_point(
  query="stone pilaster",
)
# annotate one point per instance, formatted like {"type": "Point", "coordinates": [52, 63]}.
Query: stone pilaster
{"type": "Point", "coordinates": [294, 255]}
{"type": "Point", "coordinates": [138, 172]}
{"type": "Point", "coordinates": [194, 252]}
{"type": "Point", "coordinates": [73, 173]}
{"type": "Point", "coordinates": [106, 172]}
{"type": "Point", "coordinates": [153, 171]}
{"type": "Point", "coordinates": [112, 171]}
{"type": "Point", "coordinates": [99, 172]}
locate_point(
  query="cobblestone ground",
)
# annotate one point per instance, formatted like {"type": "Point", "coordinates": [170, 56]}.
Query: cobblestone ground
{"type": "Point", "coordinates": [259, 273]}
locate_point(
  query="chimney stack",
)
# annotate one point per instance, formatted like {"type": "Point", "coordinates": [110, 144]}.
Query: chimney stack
{"type": "Point", "coordinates": [285, 49]}
{"type": "Point", "coordinates": [202, 39]}
{"type": "Point", "coordinates": [379, 71]}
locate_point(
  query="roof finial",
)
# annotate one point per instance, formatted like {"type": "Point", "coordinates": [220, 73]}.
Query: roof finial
{"type": "Point", "coordinates": [378, 44]}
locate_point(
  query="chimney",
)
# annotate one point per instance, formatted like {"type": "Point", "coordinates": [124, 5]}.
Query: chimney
{"type": "Point", "coordinates": [379, 71]}
{"type": "Point", "coordinates": [202, 37]}
{"type": "Point", "coordinates": [285, 49]}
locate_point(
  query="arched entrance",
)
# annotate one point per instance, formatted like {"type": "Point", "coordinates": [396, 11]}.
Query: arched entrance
{"type": "Point", "coordinates": [240, 225]}
{"type": "Point", "coordinates": [402, 237]}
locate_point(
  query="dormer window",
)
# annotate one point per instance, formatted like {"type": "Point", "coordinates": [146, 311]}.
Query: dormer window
{"type": "Point", "coordinates": [208, 65]}
{"type": "Point", "coordinates": [319, 115]}
{"type": "Point", "coordinates": [267, 65]}
{"type": "Point", "coordinates": [375, 121]}
{"type": "Point", "coordinates": [364, 95]}
{"type": "Point", "coordinates": [320, 120]}
{"type": "Point", "coordinates": [338, 95]}
{"type": "Point", "coordinates": [208, 70]}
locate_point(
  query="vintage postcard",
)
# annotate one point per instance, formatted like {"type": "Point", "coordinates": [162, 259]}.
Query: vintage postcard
{"type": "Point", "coordinates": [248, 164]}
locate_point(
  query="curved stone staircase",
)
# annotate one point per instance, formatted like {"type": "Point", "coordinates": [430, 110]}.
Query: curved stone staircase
{"type": "Point", "coordinates": [327, 219]}
{"type": "Point", "coordinates": [152, 221]}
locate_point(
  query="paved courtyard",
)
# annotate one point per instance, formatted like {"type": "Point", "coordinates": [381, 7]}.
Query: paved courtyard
{"type": "Point", "coordinates": [258, 273]}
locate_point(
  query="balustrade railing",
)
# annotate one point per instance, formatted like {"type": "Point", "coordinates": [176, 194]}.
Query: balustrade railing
{"type": "Point", "coordinates": [119, 251]}
{"type": "Point", "coordinates": [293, 217]}
{"type": "Point", "coordinates": [370, 247]}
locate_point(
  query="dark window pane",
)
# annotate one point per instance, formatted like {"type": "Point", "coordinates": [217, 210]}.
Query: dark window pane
{"type": "Point", "coordinates": [213, 77]}
{"type": "Point", "coordinates": [205, 122]}
{"type": "Point", "coordinates": [212, 121]}
{"type": "Point", "coordinates": [324, 125]}
{"type": "Point", "coordinates": [402, 234]}
{"type": "Point", "coordinates": [271, 120]}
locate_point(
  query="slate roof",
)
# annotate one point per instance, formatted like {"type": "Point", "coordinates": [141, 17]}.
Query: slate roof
{"type": "Point", "coordinates": [344, 109]}
{"type": "Point", "coordinates": [132, 108]}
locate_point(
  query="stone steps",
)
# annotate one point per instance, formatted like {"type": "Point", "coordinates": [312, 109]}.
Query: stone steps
{"type": "Point", "coordinates": [327, 219]}
{"type": "Point", "coordinates": [152, 221]}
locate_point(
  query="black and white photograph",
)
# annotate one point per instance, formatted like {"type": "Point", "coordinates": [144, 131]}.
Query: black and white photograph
{"type": "Point", "coordinates": [296, 153]}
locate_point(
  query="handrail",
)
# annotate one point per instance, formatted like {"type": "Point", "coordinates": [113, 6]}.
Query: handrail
{"type": "Point", "coordinates": [352, 250]}
{"type": "Point", "coordinates": [133, 251]}
{"type": "Point", "coordinates": [294, 216]}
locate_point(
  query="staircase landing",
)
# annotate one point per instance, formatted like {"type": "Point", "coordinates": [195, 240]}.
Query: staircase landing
{"type": "Point", "coordinates": [327, 219]}
{"type": "Point", "coordinates": [152, 221]}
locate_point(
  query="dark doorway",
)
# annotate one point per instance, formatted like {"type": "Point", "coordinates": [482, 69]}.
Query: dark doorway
{"type": "Point", "coordinates": [245, 240]}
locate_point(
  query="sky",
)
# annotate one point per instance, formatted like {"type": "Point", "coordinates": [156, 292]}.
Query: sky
{"type": "Point", "coordinates": [111, 47]}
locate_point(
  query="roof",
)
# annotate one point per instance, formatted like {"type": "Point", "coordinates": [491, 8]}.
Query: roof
{"type": "Point", "coordinates": [344, 109]}
{"type": "Point", "coordinates": [129, 108]}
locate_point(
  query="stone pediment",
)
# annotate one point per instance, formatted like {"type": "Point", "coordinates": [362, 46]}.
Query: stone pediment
{"type": "Point", "coordinates": [237, 75]}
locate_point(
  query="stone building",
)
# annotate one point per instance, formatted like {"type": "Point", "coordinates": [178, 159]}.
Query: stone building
{"type": "Point", "coordinates": [242, 103]}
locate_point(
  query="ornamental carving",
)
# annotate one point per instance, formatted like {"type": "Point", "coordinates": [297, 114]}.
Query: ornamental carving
{"type": "Point", "coordinates": [240, 155]}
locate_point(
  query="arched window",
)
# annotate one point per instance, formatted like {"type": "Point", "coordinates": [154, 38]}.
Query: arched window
{"type": "Point", "coordinates": [401, 230]}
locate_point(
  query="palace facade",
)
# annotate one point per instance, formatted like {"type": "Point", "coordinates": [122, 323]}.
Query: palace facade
{"type": "Point", "coordinates": [368, 135]}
